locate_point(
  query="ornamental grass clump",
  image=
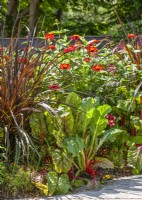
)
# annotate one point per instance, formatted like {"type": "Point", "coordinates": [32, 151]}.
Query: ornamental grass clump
{"type": "Point", "coordinates": [24, 74]}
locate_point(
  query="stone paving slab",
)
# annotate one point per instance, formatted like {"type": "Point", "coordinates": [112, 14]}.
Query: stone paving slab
{"type": "Point", "coordinates": [124, 188]}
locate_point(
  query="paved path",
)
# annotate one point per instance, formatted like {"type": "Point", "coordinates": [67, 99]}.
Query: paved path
{"type": "Point", "coordinates": [123, 188]}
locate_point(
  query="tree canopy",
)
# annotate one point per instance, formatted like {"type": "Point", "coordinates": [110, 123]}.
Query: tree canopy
{"type": "Point", "coordinates": [90, 17]}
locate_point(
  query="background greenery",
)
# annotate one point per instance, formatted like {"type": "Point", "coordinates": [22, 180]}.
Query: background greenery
{"type": "Point", "coordinates": [89, 17]}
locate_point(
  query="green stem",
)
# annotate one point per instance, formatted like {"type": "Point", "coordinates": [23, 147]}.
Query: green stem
{"type": "Point", "coordinates": [92, 144]}
{"type": "Point", "coordinates": [75, 165]}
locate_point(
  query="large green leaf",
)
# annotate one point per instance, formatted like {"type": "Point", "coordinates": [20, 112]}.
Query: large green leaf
{"type": "Point", "coordinates": [62, 161]}
{"type": "Point", "coordinates": [87, 108]}
{"type": "Point", "coordinates": [52, 180]}
{"type": "Point", "coordinates": [74, 101]}
{"type": "Point", "coordinates": [123, 106]}
{"type": "Point", "coordinates": [137, 139]}
{"type": "Point", "coordinates": [37, 123]}
{"type": "Point", "coordinates": [67, 118]}
{"type": "Point", "coordinates": [63, 184]}
{"type": "Point", "coordinates": [98, 123]}
{"type": "Point", "coordinates": [56, 184]}
{"type": "Point", "coordinates": [73, 145]}
{"type": "Point", "coordinates": [136, 122]}
{"type": "Point", "coordinates": [103, 163]}
{"type": "Point", "coordinates": [109, 135]}
{"type": "Point", "coordinates": [59, 137]}
{"type": "Point", "coordinates": [104, 110]}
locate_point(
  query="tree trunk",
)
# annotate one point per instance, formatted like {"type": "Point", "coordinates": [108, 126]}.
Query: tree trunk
{"type": "Point", "coordinates": [33, 15]}
{"type": "Point", "coordinates": [12, 6]}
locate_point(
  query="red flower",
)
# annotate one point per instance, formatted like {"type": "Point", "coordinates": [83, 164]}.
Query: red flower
{"type": "Point", "coordinates": [6, 57]}
{"type": "Point", "coordinates": [97, 68]}
{"type": "Point", "coordinates": [75, 37]}
{"type": "Point", "coordinates": [131, 36]}
{"type": "Point", "coordinates": [49, 36]}
{"type": "Point", "coordinates": [111, 120]}
{"type": "Point", "coordinates": [65, 66]}
{"type": "Point", "coordinates": [54, 87]}
{"type": "Point", "coordinates": [52, 47]}
{"type": "Point", "coordinates": [71, 48]}
{"type": "Point", "coordinates": [110, 117]}
{"type": "Point", "coordinates": [91, 48]}
{"type": "Point", "coordinates": [0, 48]}
{"type": "Point", "coordinates": [23, 60]}
{"type": "Point", "coordinates": [111, 123]}
{"type": "Point", "coordinates": [87, 59]}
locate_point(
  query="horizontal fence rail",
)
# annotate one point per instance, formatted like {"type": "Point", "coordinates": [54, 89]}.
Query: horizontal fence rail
{"type": "Point", "coordinates": [22, 42]}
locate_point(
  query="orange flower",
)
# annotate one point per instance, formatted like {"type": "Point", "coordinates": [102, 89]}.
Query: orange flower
{"type": "Point", "coordinates": [91, 48]}
{"type": "Point", "coordinates": [0, 48]}
{"type": "Point", "coordinates": [65, 66]}
{"type": "Point", "coordinates": [49, 36]}
{"type": "Point", "coordinates": [52, 47]}
{"type": "Point", "coordinates": [75, 37]}
{"type": "Point", "coordinates": [97, 68]}
{"type": "Point", "coordinates": [71, 48]}
{"type": "Point", "coordinates": [87, 59]}
{"type": "Point", "coordinates": [131, 36]}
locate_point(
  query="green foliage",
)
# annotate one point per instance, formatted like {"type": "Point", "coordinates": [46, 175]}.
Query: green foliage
{"type": "Point", "coordinates": [73, 145]}
{"type": "Point", "coordinates": [135, 159]}
{"type": "Point", "coordinates": [18, 181]}
{"type": "Point", "coordinates": [3, 172]}
{"type": "Point", "coordinates": [57, 184]}
{"type": "Point", "coordinates": [62, 161]}
{"type": "Point", "coordinates": [103, 163]}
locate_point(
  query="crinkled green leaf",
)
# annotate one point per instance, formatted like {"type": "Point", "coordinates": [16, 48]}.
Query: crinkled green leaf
{"type": "Point", "coordinates": [56, 184]}
{"type": "Point", "coordinates": [103, 163]}
{"type": "Point", "coordinates": [37, 123]}
{"type": "Point", "coordinates": [123, 106]}
{"type": "Point", "coordinates": [52, 180]}
{"type": "Point", "coordinates": [136, 122]}
{"type": "Point", "coordinates": [74, 101]}
{"type": "Point", "coordinates": [59, 137]}
{"type": "Point", "coordinates": [87, 108]}
{"type": "Point", "coordinates": [104, 110]}
{"type": "Point", "coordinates": [67, 120]}
{"type": "Point", "coordinates": [109, 135]}
{"type": "Point", "coordinates": [73, 145]}
{"type": "Point", "coordinates": [63, 184]}
{"type": "Point", "coordinates": [62, 161]}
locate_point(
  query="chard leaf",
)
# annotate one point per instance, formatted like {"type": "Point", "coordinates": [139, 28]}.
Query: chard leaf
{"type": "Point", "coordinates": [62, 161]}
{"type": "Point", "coordinates": [103, 163]}
{"type": "Point", "coordinates": [63, 184]}
{"type": "Point", "coordinates": [73, 145]}
{"type": "Point", "coordinates": [52, 180]}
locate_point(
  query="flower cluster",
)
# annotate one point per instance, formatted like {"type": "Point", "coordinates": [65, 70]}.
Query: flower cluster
{"type": "Point", "coordinates": [91, 48]}
{"type": "Point", "coordinates": [71, 48]}
{"type": "Point", "coordinates": [97, 68]}
{"type": "Point", "coordinates": [65, 66]}
{"type": "Point", "coordinates": [111, 120]}
{"type": "Point", "coordinates": [75, 37]}
{"type": "Point", "coordinates": [49, 36]}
